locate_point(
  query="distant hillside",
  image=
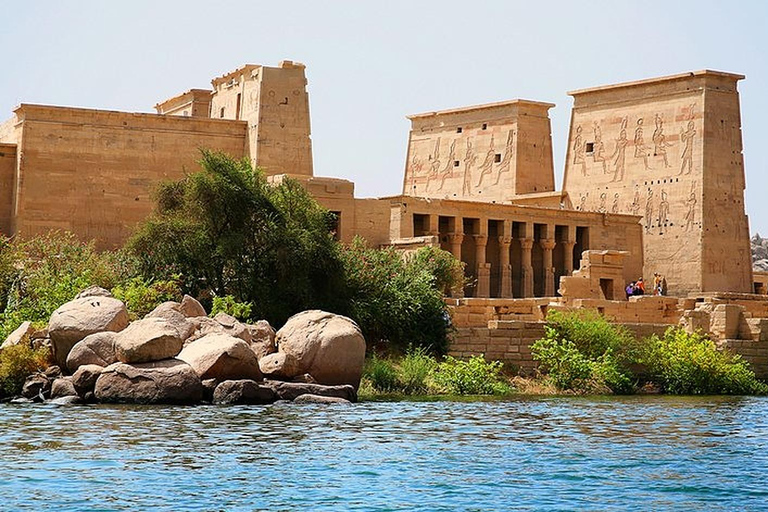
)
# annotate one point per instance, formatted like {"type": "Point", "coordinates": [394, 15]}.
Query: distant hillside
{"type": "Point", "coordinates": [759, 253]}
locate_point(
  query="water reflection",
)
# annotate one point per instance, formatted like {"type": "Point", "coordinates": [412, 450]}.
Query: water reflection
{"type": "Point", "coordinates": [549, 453]}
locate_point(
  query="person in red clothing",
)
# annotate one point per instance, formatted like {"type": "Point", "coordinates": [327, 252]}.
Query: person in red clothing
{"type": "Point", "coordinates": [640, 286]}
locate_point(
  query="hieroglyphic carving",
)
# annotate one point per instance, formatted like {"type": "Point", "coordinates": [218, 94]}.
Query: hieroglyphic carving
{"type": "Point", "coordinates": [619, 154]}
{"type": "Point", "coordinates": [663, 211]}
{"type": "Point", "coordinates": [415, 168]}
{"type": "Point", "coordinates": [509, 153]}
{"type": "Point", "coordinates": [649, 211]}
{"type": "Point", "coordinates": [615, 205]}
{"type": "Point", "coordinates": [583, 202]}
{"type": "Point", "coordinates": [578, 151]}
{"type": "Point", "coordinates": [487, 166]}
{"type": "Point", "coordinates": [660, 143]}
{"type": "Point", "coordinates": [598, 151]}
{"type": "Point", "coordinates": [686, 157]}
{"type": "Point", "coordinates": [434, 164]}
{"type": "Point", "coordinates": [641, 150]}
{"type": "Point", "coordinates": [447, 171]}
{"type": "Point", "coordinates": [469, 160]}
{"type": "Point", "coordinates": [601, 208]}
{"type": "Point", "coordinates": [634, 207]}
{"type": "Point", "coordinates": [690, 213]}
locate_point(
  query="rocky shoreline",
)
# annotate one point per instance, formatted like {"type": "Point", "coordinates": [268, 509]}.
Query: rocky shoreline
{"type": "Point", "coordinates": [178, 355]}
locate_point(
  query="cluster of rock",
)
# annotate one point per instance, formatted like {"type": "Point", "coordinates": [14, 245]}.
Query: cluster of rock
{"type": "Point", "coordinates": [759, 253]}
{"type": "Point", "coordinates": [178, 355]}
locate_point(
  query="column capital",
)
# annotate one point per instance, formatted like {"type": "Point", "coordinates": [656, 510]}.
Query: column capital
{"type": "Point", "coordinates": [480, 239]}
{"type": "Point", "coordinates": [456, 238]}
{"type": "Point", "coordinates": [505, 240]}
{"type": "Point", "coordinates": [569, 244]}
{"type": "Point", "coordinates": [547, 244]}
{"type": "Point", "coordinates": [526, 243]}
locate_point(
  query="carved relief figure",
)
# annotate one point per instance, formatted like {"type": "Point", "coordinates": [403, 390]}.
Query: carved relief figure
{"type": "Point", "coordinates": [469, 161]}
{"type": "Point", "coordinates": [649, 211]}
{"type": "Point", "coordinates": [601, 208]}
{"type": "Point", "coordinates": [447, 171]}
{"type": "Point", "coordinates": [686, 138]}
{"type": "Point", "coordinates": [487, 166]}
{"type": "Point", "coordinates": [583, 202]}
{"type": "Point", "coordinates": [660, 143]}
{"type": "Point", "coordinates": [619, 154]}
{"type": "Point", "coordinates": [663, 211]}
{"type": "Point", "coordinates": [509, 153]}
{"type": "Point", "coordinates": [598, 151]}
{"type": "Point", "coordinates": [635, 206]}
{"type": "Point", "coordinates": [578, 151]}
{"type": "Point", "coordinates": [434, 163]}
{"type": "Point", "coordinates": [615, 205]}
{"type": "Point", "coordinates": [416, 166]}
{"type": "Point", "coordinates": [641, 150]}
{"type": "Point", "coordinates": [690, 213]}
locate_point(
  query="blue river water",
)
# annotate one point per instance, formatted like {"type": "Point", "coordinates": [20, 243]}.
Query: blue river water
{"type": "Point", "coordinates": [634, 453]}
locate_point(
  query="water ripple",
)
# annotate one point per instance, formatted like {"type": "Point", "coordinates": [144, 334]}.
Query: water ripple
{"type": "Point", "coordinates": [648, 453]}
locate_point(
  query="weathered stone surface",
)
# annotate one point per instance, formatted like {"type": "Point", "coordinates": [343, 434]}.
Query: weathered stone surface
{"type": "Point", "coordinates": [221, 357]}
{"type": "Point", "coordinates": [36, 387]}
{"type": "Point", "coordinates": [150, 339]}
{"type": "Point", "coordinates": [62, 386]}
{"type": "Point", "coordinates": [318, 399]}
{"type": "Point", "coordinates": [170, 381]}
{"type": "Point", "coordinates": [84, 379]}
{"type": "Point", "coordinates": [233, 326]}
{"type": "Point", "coordinates": [21, 333]}
{"type": "Point", "coordinates": [191, 308]}
{"type": "Point", "coordinates": [93, 291]}
{"type": "Point", "coordinates": [209, 386]}
{"type": "Point", "coordinates": [78, 318]}
{"type": "Point", "coordinates": [171, 311]}
{"type": "Point", "coordinates": [329, 347]}
{"type": "Point", "coordinates": [292, 390]}
{"type": "Point", "coordinates": [95, 349]}
{"type": "Point", "coordinates": [243, 391]}
{"type": "Point", "coordinates": [230, 326]}
{"type": "Point", "coordinates": [262, 339]}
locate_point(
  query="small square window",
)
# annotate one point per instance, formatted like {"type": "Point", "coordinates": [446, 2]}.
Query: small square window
{"type": "Point", "coordinates": [497, 158]}
{"type": "Point", "coordinates": [485, 126]}
{"type": "Point", "coordinates": [455, 163]}
{"type": "Point", "coordinates": [590, 147]}
{"type": "Point", "coordinates": [459, 129]}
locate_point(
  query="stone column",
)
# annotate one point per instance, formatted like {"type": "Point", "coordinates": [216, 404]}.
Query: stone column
{"type": "Point", "coordinates": [505, 268]}
{"type": "Point", "coordinates": [483, 269]}
{"type": "Point", "coordinates": [433, 227]}
{"type": "Point", "coordinates": [568, 259]}
{"type": "Point", "coordinates": [549, 271]}
{"type": "Point", "coordinates": [527, 268]}
{"type": "Point", "coordinates": [456, 240]}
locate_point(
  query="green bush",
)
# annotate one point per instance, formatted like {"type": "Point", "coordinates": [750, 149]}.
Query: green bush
{"type": "Point", "coordinates": [691, 364]}
{"type": "Point", "coordinates": [381, 374]}
{"type": "Point", "coordinates": [583, 352]}
{"type": "Point", "coordinates": [473, 377]}
{"type": "Point", "coordinates": [142, 296]}
{"type": "Point", "coordinates": [229, 305]}
{"type": "Point", "coordinates": [40, 274]}
{"type": "Point", "coordinates": [16, 363]}
{"type": "Point", "coordinates": [399, 298]}
{"type": "Point", "coordinates": [414, 371]}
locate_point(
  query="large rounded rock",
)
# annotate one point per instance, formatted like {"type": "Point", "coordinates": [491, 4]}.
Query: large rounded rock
{"type": "Point", "coordinates": [96, 349]}
{"type": "Point", "coordinates": [243, 391]}
{"type": "Point", "coordinates": [191, 308]}
{"type": "Point", "coordinates": [171, 311]}
{"type": "Point", "coordinates": [84, 379]}
{"type": "Point", "coordinates": [221, 357]}
{"type": "Point", "coordinates": [329, 347]}
{"type": "Point", "coordinates": [150, 339]}
{"type": "Point", "coordinates": [262, 339]}
{"type": "Point", "coordinates": [161, 382]}
{"type": "Point", "coordinates": [80, 317]}
{"type": "Point", "coordinates": [20, 335]}
{"type": "Point", "coordinates": [63, 387]}
{"type": "Point", "coordinates": [293, 390]}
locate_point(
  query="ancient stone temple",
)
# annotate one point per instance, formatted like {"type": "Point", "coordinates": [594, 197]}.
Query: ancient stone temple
{"type": "Point", "coordinates": [654, 178]}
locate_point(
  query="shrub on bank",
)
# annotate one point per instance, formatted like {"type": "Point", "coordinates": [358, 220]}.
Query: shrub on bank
{"type": "Point", "coordinates": [690, 364]}
{"type": "Point", "coordinates": [475, 376]}
{"type": "Point", "coordinates": [141, 295]}
{"type": "Point", "coordinates": [16, 363]}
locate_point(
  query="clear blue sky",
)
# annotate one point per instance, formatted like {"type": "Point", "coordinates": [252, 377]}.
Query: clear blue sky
{"type": "Point", "coordinates": [370, 64]}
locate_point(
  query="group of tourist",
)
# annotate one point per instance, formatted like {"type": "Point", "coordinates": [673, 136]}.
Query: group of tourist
{"type": "Point", "coordinates": [638, 287]}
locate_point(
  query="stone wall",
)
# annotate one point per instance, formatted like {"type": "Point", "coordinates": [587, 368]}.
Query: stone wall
{"type": "Point", "coordinates": [92, 172]}
{"type": "Point", "coordinates": [7, 180]}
